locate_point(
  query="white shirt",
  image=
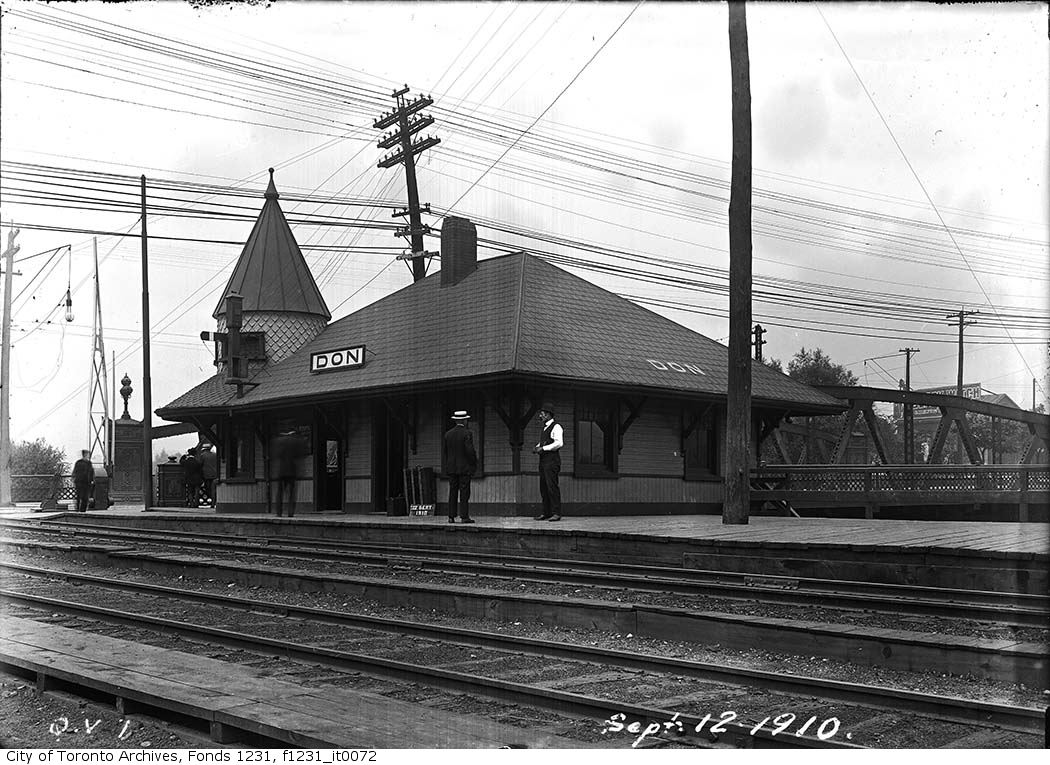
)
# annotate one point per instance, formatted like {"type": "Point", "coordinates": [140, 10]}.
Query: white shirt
{"type": "Point", "coordinates": [556, 434]}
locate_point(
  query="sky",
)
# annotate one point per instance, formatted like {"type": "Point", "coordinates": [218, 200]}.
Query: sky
{"type": "Point", "coordinates": [899, 151]}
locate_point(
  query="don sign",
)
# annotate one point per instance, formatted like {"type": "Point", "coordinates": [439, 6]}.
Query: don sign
{"type": "Point", "coordinates": [341, 359]}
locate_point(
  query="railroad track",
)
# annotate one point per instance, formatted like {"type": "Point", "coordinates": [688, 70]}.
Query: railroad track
{"type": "Point", "coordinates": [647, 690]}
{"type": "Point", "coordinates": [801, 635]}
{"type": "Point", "coordinates": [1006, 609]}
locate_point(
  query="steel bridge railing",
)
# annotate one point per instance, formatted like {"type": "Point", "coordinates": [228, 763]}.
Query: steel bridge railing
{"type": "Point", "coordinates": [884, 479]}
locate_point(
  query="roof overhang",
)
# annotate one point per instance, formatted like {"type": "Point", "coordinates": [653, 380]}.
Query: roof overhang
{"type": "Point", "coordinates": [506, 378]}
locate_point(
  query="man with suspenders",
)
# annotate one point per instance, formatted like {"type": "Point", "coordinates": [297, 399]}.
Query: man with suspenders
{"type": "Point", "coordinates": [549, 450]}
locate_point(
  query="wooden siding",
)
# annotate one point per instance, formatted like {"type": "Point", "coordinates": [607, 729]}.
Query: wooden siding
{"type": "Point", "coordinates": [635, 489]}
{"type": "Point", "coordinates": [360, 490]}
{"type": "Point", "coordinates": [430, 434]}
{"type": "Point", "coordinates": [653, 442]}
{"type": "Point", "coordinates": [501, 489]}
{"type": "Point", "coordinates": [359, 443]}
{"type": "Point", "coordinates": [240, 493]}
{"type": "Point", "coordinates": [525, 489]}
{"type": "Point", "coordinates": [498, 454]}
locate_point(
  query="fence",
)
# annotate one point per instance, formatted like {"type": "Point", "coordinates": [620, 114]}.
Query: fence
{"type": "Point", "coordinates": [961, 479]}
{"type": "Point", "coordinates": [1022, 486]}
{"type": "Point", "coordinates": [38, 488]}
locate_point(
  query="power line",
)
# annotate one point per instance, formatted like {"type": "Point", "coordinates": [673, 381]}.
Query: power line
{"type": "Point", "coordinates": [549, 106]}
{"type": "Point", "coordinates": [928, 199]}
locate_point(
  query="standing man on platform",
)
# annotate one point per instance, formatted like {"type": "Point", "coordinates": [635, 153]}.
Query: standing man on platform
{"type": "Point", "coordinates": [210, 469]}
{"type": "Point", "coordinates": [549, 448]}
{"type": "Point", "coordinates": [192, 476]}
{"type": "Point", "coordinates": [83, 477]}
{"type": "Point", "coordinates": [287, 448]}
{"type": "Point", "coordinates": [461, 460]}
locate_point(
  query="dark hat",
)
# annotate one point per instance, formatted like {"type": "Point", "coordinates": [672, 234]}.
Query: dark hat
{"type": "Point", "coordinates": [547, 407]}
{"type": "Point", "coordinates": [460, 415]}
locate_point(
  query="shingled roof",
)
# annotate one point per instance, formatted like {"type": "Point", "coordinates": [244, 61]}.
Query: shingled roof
{"type": "Point", "coordinates": [515, 314]}
{"type": "Point", "coordinates": [271, 273]}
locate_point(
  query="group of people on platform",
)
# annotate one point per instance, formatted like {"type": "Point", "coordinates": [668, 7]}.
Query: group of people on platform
{"type": "Point", "coordinates": [200, 468]}
{"type": "Point", "coordinates": [461, 462]}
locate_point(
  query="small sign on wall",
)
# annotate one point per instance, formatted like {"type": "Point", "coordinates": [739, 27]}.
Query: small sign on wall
{"type": "Point", "coordinates": [344, 358]}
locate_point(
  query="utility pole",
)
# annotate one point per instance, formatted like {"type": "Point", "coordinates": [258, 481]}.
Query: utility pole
{"type": "Point", "coordinates": [737, 506]}
{"type": "Point", "coordinates": [962, 323]}
{"type": "Point", "coordinates": [98, 384]}
{"type": "Point", "coordinates": [909, 412]}
{"type": "Point", "coordinates": [408, 149]}
{"type": "Point", "coordinates": [5, 376]}
{"type": "Point", "coordinates": [147, 383]}
{"type": "Point", "coordinates": [758, 342]}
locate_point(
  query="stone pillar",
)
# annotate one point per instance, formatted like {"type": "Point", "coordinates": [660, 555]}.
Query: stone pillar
{"type": "Point", "coordinates": [126, 483]}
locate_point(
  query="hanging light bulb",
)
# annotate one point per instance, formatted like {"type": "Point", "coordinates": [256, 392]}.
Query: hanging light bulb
{"type": "Point", "coordinates": [69, 287]}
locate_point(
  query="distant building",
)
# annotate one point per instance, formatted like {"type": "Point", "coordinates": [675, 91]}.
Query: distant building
{"type": "Point", "coordinates": [641, 398]}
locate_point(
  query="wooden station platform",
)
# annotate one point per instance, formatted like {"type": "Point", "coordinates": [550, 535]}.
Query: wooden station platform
{"type": "Point", "coordinates": [232, 698]}
{"type": "Point", "coordinates": [980, 536]}
{"type": "Point", "coordinates": [1013, 557]}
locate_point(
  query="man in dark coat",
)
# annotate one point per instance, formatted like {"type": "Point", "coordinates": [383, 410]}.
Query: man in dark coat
{"type": "Point", "coordinates": [210, 471]}
{"type": "Point", "coordinates": [83, 477]}
{"type": "Point", "coordinates": [461, 460]}
{"type": "Point", "coordinates": [192, 477]}
{"type": "Point", "coordinates": [287, 448]}
{"type": "Point", "coordinates": [549, 448]}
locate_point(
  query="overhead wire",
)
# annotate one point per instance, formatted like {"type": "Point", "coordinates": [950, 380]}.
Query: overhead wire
{"type": "Point", "coordinates": [918, 180]}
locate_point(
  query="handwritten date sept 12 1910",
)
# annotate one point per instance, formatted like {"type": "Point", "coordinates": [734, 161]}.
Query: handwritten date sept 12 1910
{"type": "Point", "coordinates": [618, 723]}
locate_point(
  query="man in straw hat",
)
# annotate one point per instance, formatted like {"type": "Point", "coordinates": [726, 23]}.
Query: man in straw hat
{"type": "Point", "coordinates": [549, 449]}
{"type": "Point", "coordinates": [461, 460]}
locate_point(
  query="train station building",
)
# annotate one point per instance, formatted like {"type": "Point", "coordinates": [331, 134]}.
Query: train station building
{"type": "Point", "coordinates": [642, 399]}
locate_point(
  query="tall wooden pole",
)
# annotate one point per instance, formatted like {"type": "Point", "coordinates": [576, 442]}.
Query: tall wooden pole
{"type": "Point", "coordinates": [738, 417]}
{"type": "Point", "coordinates": [909, 409]}
{"type": "Point", "coordinates": [147, 385]}
{"type": "Point", "coordinates": [415, 222]}
{"type": "Point", "coordinates": [961, 321]}
{"type": "Point", "coordinates": [5, 375]}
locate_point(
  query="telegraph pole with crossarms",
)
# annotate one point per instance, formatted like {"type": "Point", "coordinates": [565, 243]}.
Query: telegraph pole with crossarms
{"type": "Point", "coordinates": [405, 154]}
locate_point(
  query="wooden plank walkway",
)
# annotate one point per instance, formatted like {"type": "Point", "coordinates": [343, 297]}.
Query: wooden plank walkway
{"type": "Point", "coordinates": [233, 697]}
{"type": "Point", "coordinates": [983, 536]}
{"type": "Point", "coordinates": [960, 535]}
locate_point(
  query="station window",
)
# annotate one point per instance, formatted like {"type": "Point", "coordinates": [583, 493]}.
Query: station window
{"type": "Point", "coordinates": [596, 440]}
{"type": "Point", "coordinates": [701, 451]}
{"type": "Point", "coordinates": [241, 463]}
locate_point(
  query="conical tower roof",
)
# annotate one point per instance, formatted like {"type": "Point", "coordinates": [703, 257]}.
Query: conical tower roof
{"type": "Point", "coordinates": [271, 274]}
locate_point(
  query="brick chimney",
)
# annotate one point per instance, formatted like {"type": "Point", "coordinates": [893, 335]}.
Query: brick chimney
{"type": "Point", "coordinates": [459, 249]}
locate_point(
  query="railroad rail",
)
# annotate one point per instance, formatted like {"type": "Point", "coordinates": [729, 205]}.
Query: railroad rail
{"type": "Point", "coordinates": [1016, 718]}
{"type": "Point", "coordinates": [938, 709]}
{"type": "Point", "coordinates": [936, 647]}
{"type": "Point", "coordinates": [1008, 609]}
{"type": "Point", "coordinates": [747, 735]}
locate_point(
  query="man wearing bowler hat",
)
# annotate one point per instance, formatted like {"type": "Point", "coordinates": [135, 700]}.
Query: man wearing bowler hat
{"type": "Point", "coordinates": [461, 460]}
{"type": "Point", "coordinates": [549, 448]}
